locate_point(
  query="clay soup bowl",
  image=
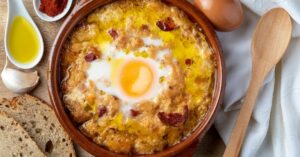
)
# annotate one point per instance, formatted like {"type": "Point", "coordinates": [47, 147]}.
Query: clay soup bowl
{"type": "Point", "coordinates": [80, 11]}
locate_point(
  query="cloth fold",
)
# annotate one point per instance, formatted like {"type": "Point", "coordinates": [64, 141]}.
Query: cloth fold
{"type": "Point", "coordinates": [291, 6]}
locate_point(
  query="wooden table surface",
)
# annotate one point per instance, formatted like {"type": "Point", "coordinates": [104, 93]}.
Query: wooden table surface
{"type": "Point", "coordinates": [210, 146]}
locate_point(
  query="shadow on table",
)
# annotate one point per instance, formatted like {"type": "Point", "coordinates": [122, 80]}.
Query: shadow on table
{"type": "Point", "coordinates": [211, 145]}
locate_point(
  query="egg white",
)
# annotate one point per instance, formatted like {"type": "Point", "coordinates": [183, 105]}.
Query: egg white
{"type": "Point", "coordinates": [100, 72]}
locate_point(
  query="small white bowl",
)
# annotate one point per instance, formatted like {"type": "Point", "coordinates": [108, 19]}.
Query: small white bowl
{"type": "Point", "coordinates": [45, 17]}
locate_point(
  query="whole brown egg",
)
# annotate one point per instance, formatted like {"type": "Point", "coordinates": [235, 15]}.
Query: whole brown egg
{"type": "Point", "coordinates": [226, 15]}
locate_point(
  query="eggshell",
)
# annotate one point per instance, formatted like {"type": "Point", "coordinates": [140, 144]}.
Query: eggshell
{"type": "Point", "coordinates": [225, 15]}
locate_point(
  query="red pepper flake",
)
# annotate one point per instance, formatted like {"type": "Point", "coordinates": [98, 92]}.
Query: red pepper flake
{"type": "Point", "coordinates": [134, 113]}
{"type": "Point", "coordinates": [167, 24]}
{"type": "Point", "coordinates": [90, 57]}
{"type": "Point", "coordinates": [113, 33]}
{"type": "Point", "coordinates": [186, 113]}
{"type": "Point", "coordinates": [52, 7]}
{"type": "Point", "coordinates": [189, 62]}
{"type": "Point", "coordinates": [145, 27]}
{"type": "Point", "coordinates": [102, 111]}
{"type": "Point", "coordinates": [174, 119]}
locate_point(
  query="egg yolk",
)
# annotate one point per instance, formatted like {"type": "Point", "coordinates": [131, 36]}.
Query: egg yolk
{"type": "Point", "coordinates": [136, 78]}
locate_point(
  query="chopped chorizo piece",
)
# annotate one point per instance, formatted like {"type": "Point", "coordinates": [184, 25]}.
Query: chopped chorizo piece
{"type": "Point", "coordinates": [167, 24]}
{"type": "Point", "coordinates": [90, 57]}
{"type": "Point", "coordinates": [189, 62]}
{"type": "Point", "coordinates": [134, 113]}
{"type": "Point", "coordinates": [174, 119]}
{"type": "Point", "coordinates": [92, 54]}
{"type": "Point", "coordinates": [113, 33]}
{"type": "Point", "coordinates": [102, 111]}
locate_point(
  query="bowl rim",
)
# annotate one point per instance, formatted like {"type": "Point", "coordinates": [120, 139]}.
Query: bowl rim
{"type": "Point", "coordinates": [82, 10]}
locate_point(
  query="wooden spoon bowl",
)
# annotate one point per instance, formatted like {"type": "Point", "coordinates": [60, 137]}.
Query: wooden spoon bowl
{"type": "Point", "coordinates": [81, 11]}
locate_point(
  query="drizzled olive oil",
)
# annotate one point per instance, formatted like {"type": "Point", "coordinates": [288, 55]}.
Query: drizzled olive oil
{"type": "Point", "coordinates": [23, 43]}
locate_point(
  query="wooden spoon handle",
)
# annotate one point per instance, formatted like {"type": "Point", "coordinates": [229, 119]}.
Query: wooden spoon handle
{"type": "Point", "coordinates": [240, 128]}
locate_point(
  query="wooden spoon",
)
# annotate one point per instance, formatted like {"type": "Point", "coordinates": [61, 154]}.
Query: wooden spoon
{"type": "Point", "coordinates": [271, 38]}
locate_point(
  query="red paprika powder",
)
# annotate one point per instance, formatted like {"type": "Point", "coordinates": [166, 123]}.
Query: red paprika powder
{"type": "Point", "coordinates": [52, 7]}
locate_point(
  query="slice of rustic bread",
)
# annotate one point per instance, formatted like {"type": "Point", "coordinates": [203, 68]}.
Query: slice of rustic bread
{"type": "Point", "coordinates": [14, 140]}
{"type": "Point", "coordinates": [39, 120]}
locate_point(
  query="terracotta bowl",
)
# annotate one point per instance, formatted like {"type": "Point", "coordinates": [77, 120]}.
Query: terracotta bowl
{"type": "Point", "coordinates": [80, 11]}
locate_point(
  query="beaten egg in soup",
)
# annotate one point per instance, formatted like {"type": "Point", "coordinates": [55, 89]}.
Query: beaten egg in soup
{"type": "Point", "coordinates": [138, 76]}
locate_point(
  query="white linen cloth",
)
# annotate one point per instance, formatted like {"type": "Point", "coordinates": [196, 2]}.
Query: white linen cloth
{"type": "Point", "coordinates": [274, 129]}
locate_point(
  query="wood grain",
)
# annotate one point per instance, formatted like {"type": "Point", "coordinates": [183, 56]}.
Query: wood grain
{"type": "Point", "coordinates": [210, 146]}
